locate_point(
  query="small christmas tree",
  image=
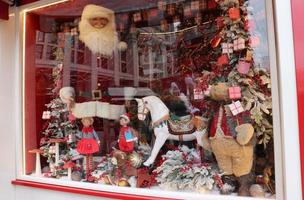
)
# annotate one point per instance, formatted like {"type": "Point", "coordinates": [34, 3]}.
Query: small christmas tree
{"type": "Point", "coordinates": [60, 130]}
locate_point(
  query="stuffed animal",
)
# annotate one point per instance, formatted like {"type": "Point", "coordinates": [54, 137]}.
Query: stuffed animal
{"type": "Point", "coordinates": [231, 139]}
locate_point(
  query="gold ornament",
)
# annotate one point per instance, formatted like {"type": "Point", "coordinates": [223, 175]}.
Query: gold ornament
{"type": "Point", "coordinates": [135, 159]}
{"type": "Point", "coordinates": [121, 157]}
{"type": "Point", "coordinates": [123, 182]}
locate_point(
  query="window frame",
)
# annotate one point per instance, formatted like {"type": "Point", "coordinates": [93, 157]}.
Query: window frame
{"type": "Point", "coordinates": [279, 145]}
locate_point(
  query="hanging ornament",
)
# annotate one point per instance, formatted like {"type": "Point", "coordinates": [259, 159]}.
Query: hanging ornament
{"type": "Point", "coordinates": [236, 108]}
{"type": "Point", "coordinates": [239, 44]}
{"type": "Point", "coordinates": [46, 115]}
{"type": "Point", "coordinates": [249, 55]}
{"type": "Point", "coordinates": [198, 94]}
{"type": "Point", "coordinates": [216, 41]}
{"type": "Point", "coordinates": [227, 48]}
{"type": "Point", "coordinates": [222, 60]}
{"type": "Point", "coordinates": [234, 13]}
{"type": "Point", "coordinates": [234, 92]}
{"type": "Point", "coordinates": [135, 159]}
{"type": "Point", "coordinates": [243, 66]}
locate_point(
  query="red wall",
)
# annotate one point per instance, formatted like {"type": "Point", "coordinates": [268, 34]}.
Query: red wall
{"type": "Point", "coordinates": [298, 35]}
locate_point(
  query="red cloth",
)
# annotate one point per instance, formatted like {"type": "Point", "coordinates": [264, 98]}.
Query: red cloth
{"type": "Point", "coordinates": [87, 146]}
{"type": "Point", "coordinates": [87, 130]}
{"type": "Point", "coordinates": [122, 143]}
{"type": "Point", "coordinates": [223, 125]}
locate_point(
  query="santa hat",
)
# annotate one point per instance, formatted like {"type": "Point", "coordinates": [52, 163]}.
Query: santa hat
{"type": "Point", "coordinates": [126, 116]}
{"type": "Point", "coordinates": [91, 11]}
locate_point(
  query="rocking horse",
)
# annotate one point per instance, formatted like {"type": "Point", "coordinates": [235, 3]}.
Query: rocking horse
{"type": "Point", "coordinates": [188, 129]}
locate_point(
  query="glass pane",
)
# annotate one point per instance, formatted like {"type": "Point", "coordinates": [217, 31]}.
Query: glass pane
{"type": "Point", "coordinates": [170, 94]}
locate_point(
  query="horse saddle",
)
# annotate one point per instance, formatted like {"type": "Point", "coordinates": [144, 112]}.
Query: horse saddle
{"type": "Point", "coordinates": [183, 125]}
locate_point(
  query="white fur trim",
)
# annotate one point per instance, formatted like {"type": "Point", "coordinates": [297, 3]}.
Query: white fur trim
{"type": "Point", "coordinates": [66, 93]}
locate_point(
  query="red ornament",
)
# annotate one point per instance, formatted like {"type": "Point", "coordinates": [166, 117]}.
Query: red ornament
{"type": "Point", "coordinates": [216, 41]}
{"type": "Point", "coordinates": [234, 13]}
{"type": "Point", "coordinates": [222, 60]}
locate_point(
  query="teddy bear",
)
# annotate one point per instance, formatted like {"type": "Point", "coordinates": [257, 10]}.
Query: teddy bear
{"type": "Point", "coordinates": [232, 140]}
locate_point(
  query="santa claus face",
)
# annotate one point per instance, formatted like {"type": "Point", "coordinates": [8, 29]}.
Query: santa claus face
{"type": "Point", "coordinates": [98, 22]}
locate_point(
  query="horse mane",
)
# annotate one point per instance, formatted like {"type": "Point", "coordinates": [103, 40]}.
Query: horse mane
{"type": "Point", "coordinates": [175, 105]}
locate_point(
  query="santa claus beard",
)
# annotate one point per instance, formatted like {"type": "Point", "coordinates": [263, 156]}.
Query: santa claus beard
{"type": "Point", "coordinates": [101, 40]}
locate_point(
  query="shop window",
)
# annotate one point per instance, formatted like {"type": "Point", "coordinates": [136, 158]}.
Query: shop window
{"type": "Point", "coordinates": [172, 95]}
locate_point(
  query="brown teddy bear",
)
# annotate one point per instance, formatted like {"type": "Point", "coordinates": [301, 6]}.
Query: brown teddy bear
{"type": "Point", "coordinates": [231, 139]}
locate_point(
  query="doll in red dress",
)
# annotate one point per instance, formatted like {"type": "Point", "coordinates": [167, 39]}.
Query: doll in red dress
{"type": "Point", "coordinates": [126, 135]}
{"type": "Point", "coordinates": [89, 143]}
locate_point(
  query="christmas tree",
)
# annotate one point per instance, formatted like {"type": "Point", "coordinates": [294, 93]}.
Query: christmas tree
{"type": "Point", "coordinates": [60, 130]}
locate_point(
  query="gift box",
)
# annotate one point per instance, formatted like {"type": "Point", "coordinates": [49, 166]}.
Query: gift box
{"type": "Point", "coordinates": [198, 94]}
{"type": "Point", "coordinates": [222, 60]}
{"type": "Point", "coordinates": [254, 41]}
{"type": "Point", "coordinates": [234, 92]}
{"type": "Point", "coordinates": [243, 67]}
{"type": "Point", "coordinates": [236, 108]}
{"type": "Point", "coordinates": [239, 44]}
{"type": "Point", "coordinates": [227, 48]}
{"type": "Point", "coordinates": [234, 13]}
{"type": "Point", "coordinates": [216, 41]}
{"type": "Point", "coordinates": [137, 17]}
{"type": "Point", "coordinates": [46, 115]}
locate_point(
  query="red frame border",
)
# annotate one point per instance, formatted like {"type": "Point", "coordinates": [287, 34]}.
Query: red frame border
{"type": "Point", "coordinates": [297, 8]}
{"type": "Point", "coordinates": [75, 190]}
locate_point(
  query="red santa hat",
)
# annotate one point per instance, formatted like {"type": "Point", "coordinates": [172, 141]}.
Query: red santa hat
{"type": "Point", "coordinates": [126, 116]}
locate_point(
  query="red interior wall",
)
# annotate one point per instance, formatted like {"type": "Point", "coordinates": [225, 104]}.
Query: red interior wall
{"type": "Point", "coordinates": [298, 33]}
{"type": "Point", "coordinates": [3, 10]}
{"type": "Point", "coordinates": [30, 93]}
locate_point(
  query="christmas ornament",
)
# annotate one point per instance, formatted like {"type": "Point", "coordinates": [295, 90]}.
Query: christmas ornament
{"type": "Point", "coordinates": [216, 41]}
{"type": "Point", "coordinates": [46, 115]}
{"type": "Point", "coordinates": [198, 94]}
{"type": "Point", "coordinates": [227, 48]}
{"type": "Point", "coordinates": [234, 93]}
{"type": "Point", "coordinates": [234, 13]}
{"type": "Point", "coordinates": [211, 4]}
{"type": "Point", "coordinates": [236, 108]}
{"type": "Point", "coordinates": [239, 44]}
{"type": "Point", "coordinates": [135, 159]}
{"type": "Point", "coordinates": [222, 60]}
{"type": "Point", "coordinates": [243, 67]}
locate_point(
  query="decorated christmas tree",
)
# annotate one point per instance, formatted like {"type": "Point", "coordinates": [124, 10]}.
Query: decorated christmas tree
{"type": "Point", "coordinates": [59, 135]}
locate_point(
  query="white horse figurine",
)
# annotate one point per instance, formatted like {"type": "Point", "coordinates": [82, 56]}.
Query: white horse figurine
{"type": "Point", "coordinates": [160, 114]}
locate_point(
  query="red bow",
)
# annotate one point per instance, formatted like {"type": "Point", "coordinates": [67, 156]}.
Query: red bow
{"type": "Point", "coordinates": [87, 130]}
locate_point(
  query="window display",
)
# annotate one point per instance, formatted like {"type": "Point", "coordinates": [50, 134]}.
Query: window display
{"type": "Point", "coordinates": [172, 95]}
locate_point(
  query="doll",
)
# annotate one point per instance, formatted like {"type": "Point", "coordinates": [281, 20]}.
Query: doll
{"type": "Point", "coordinates": [126, 135]}
{"type": "Point", "coordinates": [89, 143]}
